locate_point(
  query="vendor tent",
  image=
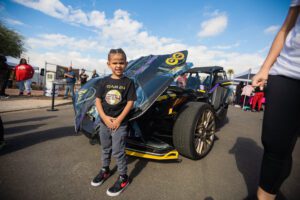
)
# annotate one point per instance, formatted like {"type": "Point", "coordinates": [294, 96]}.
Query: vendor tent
{"type": "Point", "coordinates": [247, 75]}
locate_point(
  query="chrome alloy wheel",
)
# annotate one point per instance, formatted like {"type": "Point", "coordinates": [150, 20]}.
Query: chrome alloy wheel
{"type": "Point", "coordinates": [205, 133]}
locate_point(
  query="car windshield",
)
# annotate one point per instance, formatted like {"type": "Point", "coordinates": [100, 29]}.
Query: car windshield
{"type": "Point", "coordinates": [194, 81]}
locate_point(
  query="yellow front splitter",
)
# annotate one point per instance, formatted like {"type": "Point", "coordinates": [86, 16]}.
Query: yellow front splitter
{"type": "Point", "coordinates": [171, 155]}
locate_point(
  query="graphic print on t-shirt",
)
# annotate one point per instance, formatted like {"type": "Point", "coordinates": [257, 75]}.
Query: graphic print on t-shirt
{"type": "Point", "coordinates": [113, 97]}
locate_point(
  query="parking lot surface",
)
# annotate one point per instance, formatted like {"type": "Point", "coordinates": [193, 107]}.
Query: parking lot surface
{"type": "Point", "coordinates": [45, 159]}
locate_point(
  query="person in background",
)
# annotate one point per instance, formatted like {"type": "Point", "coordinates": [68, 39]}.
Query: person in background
{"type": "Point", "coordinates": [70, 80]}
{"type": "Point", "coordinates": [281, 122]}
{"type": "Point", "coordinates": [95, 74]}
{"type": "Point", "coordinates": [4, 76]}
{"type": "Point", "coordinates": [83, 77]}
{"type": "Point", "coordinates": [247, 93]}
{"type": "Point", "coordinates": [24, 73]}
{"type": "Point", "coordinates": [238, 93]}
{"type": "Point", "coordinates": [181, 80]}
{"type": "Point", "coordinates": [257, 99]}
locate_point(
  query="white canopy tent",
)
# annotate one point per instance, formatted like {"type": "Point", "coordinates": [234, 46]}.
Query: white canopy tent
{"type": "Point", "coordinates": [247, 75]}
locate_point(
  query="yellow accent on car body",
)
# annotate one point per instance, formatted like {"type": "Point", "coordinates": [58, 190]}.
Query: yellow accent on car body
{"type": "Point", "coordinates": [203, 91]}
{"type": "Point", "coordinates": [227, 83]}
{"type": "Point", "coordinates": [178, 56]}
{"type": "Point", "coordinates": [165, 97]}
{"type": "Point", "coordinates": [172, 155]}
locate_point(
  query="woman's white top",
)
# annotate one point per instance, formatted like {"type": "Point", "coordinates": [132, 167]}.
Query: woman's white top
{"type": "Point", "coordinates": [288, 62]}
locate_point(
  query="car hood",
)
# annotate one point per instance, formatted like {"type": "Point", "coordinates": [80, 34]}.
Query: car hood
{"type": "Point", "coordinates": [151, 75]}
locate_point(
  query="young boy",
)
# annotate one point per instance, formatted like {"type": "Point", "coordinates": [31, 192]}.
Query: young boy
{"type": "Point", "coordinates": [114, 99]}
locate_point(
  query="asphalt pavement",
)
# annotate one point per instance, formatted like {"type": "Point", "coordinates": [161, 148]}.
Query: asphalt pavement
{"type": "Point", "coordinates": [36, 100]}
{"type": "Point", "coordinates": [45, 159]}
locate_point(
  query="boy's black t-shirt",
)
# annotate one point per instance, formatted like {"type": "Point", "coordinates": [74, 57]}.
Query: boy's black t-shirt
{"type": "Point", "coordinates": [114, 94]}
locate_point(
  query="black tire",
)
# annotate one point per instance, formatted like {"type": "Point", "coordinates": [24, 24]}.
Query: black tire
{"type": "Point", "coordinates": [194, 130]}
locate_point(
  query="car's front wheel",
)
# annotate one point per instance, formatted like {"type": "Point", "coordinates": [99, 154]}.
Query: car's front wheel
{"type": "Point", "coordinates": [194, 130]}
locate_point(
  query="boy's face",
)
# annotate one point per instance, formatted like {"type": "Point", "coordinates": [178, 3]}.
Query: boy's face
{"type": "Point", "coordinates": [117, 63]}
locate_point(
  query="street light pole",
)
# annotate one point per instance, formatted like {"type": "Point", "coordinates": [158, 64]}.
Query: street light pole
{"type": "Point", "coordinates": [45, 74]}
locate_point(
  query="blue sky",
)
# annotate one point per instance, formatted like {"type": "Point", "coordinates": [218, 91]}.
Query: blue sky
{"type": "Point", "coordinates": [230, 33]}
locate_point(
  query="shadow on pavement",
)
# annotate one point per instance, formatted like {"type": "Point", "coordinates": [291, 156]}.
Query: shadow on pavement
{"type": "Point", "coordinates": [142, 163]}
{"type": "Point", "coordinates": [28, 120]}
{"type": "Point", "coordinates": [222, 123]}
{"type": "Point", "coordinates": [23, 141]}
{"type": "Point", "coordinates": [248, 159]}
{"type": "Point", "coordinates": [138, 167]}
{"type": "Point", "coordinates": [16, 129]}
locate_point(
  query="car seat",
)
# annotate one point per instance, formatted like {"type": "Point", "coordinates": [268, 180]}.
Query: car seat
{"type": "Point", "coordinates": [193, 83]}
{"type": "Point", "coordinates": [207, 81]}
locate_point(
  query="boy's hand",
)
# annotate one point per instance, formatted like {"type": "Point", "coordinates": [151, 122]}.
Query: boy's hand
{"type": "Point", "coordinates": [109, 122]}
{"type": "Point", "coordinates": [116, 123]}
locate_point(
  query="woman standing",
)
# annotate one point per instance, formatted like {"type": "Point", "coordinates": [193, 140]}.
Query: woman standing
{"type": "Point", "coordinates": [282, 114]}
{"type": "Point", "coordinates": [24, 74]}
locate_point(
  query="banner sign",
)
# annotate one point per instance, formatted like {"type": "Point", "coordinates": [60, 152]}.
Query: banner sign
{"type": "Point", "coordinates": [61, 70]}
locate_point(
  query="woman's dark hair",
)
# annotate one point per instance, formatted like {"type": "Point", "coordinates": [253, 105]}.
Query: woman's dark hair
{"type": "Point", "coordinates": [23, 61]}
{"type": "Point", "coordinates": [115, 51]}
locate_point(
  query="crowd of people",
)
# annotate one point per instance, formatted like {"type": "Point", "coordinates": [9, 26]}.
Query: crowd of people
{"type": "Point", "coordinates": [23, 74]}
{"type": "Point", "coordinates": [71, 80]}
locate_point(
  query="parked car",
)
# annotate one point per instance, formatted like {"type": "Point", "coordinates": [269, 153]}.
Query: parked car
{"type": "Point", "coordinates": [167, 119]}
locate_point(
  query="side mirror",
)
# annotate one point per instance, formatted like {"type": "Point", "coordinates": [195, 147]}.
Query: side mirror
{"type": "Point", "coordinates": [42, 73]}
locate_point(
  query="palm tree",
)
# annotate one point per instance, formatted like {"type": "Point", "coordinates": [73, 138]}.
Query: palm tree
{"type": "Point", "coordinates": [230, 72]}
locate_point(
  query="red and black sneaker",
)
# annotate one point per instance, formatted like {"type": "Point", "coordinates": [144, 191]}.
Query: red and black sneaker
{"type": "Point", "coordinates": [101, 177]}
{"type": "Point", "coordinates": [119, 186]}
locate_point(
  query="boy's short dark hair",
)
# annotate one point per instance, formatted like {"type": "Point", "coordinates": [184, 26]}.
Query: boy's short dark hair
{"type": "Point", "coordinates": [115, 51]}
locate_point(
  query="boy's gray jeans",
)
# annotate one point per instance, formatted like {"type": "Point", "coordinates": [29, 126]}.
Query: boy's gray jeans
{"type": "Point", "coordinates": [113, 143]}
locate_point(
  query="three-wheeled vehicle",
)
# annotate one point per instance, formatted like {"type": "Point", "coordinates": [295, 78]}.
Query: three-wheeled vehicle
{"type": "Point", "coordinates": [169, 118]}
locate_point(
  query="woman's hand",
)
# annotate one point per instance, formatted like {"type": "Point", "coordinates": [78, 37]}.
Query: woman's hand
{"type": "Point", "coordinates": [260, 78]}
